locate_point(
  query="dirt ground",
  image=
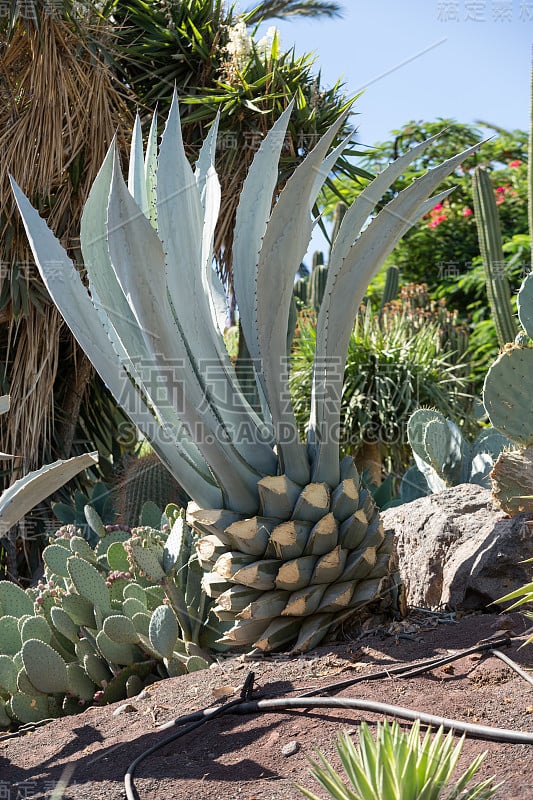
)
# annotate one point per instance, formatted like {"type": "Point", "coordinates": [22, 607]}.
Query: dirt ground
{"type": "Point", "coordinates": [245, 757]}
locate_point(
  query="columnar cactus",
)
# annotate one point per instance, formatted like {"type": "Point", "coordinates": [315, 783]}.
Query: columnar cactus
{"type": "Point", "coordinates": [490, 245]}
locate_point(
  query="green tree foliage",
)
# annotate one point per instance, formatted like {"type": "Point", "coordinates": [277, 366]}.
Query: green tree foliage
{"type": "Point", "coordinates": [443, 249]}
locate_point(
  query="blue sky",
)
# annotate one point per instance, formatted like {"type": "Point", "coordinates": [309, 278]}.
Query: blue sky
{"type": "Point", "coordinates": [424, 59]}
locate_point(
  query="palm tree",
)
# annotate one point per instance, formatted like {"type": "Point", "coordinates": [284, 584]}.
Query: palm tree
{"type": "Point", "coordinates": [61, 107]}
{"type": "Point", "coordinates": [206, 50]}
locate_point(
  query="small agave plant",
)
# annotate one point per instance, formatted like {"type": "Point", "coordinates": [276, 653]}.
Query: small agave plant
{"type": "Point", "coordinates": [289, 541]}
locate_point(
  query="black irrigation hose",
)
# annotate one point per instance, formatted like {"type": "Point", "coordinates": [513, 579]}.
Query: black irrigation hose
{"type": "Point", "coordinates": [517, 668]}
{"type": "Point", "coordinates": [409, 671]}
{"type": "Point", "coordinates": [194, 720]}
{"type": "Point", "coordinates": [491, 734]}
{"type": "Point", "coordinates": [244, 705]}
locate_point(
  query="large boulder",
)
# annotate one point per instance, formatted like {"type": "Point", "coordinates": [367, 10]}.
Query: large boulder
{"type": "Point", "coordinates": [456, 549]}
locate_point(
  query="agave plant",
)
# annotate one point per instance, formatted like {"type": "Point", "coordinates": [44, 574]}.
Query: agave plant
{"type": "Point", "coordinates": [290, 542]}
{"type": "Point", "coordinates": [398, 765]}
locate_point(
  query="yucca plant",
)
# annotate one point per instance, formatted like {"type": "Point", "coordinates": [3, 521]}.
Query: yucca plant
{"type": "Point", "coordinates": [291, 544]}
{"type": "Point", "coordinates": [398, 765]}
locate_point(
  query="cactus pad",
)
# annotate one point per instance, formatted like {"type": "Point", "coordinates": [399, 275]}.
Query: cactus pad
{"type": "Point", "coordinates": [117, 557]}
{"type": "Point", "coordinates": [80, 610]}
{"type": "Point", "coordinates": [55, 558]}
{"type": "Point", "coordinates": [117, 653]}
{"type": "Point", "coordinates": [79, 683]}
{"type": "Point", "coordinates": [64, 624]}
{"type": "Point", "coordinates": [120, 629]}
{"type": "Point", "coordinates": [8, 675]}
{"type": "Point", "coordinates": [10, 639]}
{"type": "Point", "coordinates": [26, 708]}
{"type": "Point", "coordinates": [508, 394]}
{"type": "Point", "coordinates": [164, 631]}
{"type": "Point", "coordinates": [525, 305]}
{"type": "Point", "coordinates": [45, 668]}
{"type": "Point", "coordinates": [14, 601]}
{"type": "Point", "coordinates": [36, 628]}
{"type": "Point", "coordinates": [89, 583]}
{"type": "Point", "coordinates": [80, 547]}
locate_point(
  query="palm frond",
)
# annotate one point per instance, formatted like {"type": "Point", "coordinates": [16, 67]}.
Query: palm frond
{"type": "Point", "coordinates": [285, 9]}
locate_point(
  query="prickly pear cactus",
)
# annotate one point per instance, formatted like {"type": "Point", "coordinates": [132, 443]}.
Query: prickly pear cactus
{"type": "Point", "coordinates": [96, 626]}
{"type": "Point", "coordinates": [508, 399]}
{"type": "Point", "coordinates": [444, 458]}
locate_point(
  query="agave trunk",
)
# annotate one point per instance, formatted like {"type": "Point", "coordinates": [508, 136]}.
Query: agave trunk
{"type": "Point", "coordinates": [311, 558]}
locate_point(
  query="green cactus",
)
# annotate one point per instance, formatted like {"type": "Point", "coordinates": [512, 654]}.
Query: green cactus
{"type": "Point", "coordinates": [89, 583]}
{"type": "Point", "coordinates": [27, 708]}
{"type": "Point", "coordinates": [79, 683]}
{"type": "Point", "coordinates": [10, 639]}
{"type": "Point", "coordinates": [84, 621]}
{"type": "Point", "coordinates": [116, 653]}
{"type": "Point", "coordinates": [8, 675]}
{"type": "Point", "coordinates": [55, 558]}
{"type": "Point", "coordinates": [507, 394]}
{"type": "Point", "coordinates": [318, 280]}
{"type": "Point", "coordinates": [45, 668]}
{"type": "Point", "coordinates": [120, 629]}
{"type": "Point", "coordinates": [36, 627]}
{"type": "Point", "coordinates": [301, 291]}
{"type": "Point", "coordinates": [490, 245]}
{"type": "Point", "coordinates": [14, 601]}
{"type": "Point", "coordinates": [97, 669]}
{"type": "Point", "coordinates": [444, 458]}
{"type": "Point", "coordinates": [391, 288]}
{"type": "Point", "coordinates": [80, 610]}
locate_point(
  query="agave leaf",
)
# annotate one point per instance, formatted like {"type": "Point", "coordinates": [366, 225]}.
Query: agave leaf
{"type": "Point", "coordinates": [117, 317]}
{"type": "Point", "coordinates": [133, 246]}
{"type": "Point", "coordinates": [30, 490]}
{"type": "Point", "coordinates": [150, 171]}
{"type": "Point", "coordinates": [181, 228]}
{"type": "Point", "coordinates": [284, 245]}
{"type": "Point", "coordinates": [357, 214]}
{"type": "Point", "coordinates": [209, 188]}
{"type": "Point", "coordinates": [348, 279]}
{"type": "Point", "coordinates": [136, 174]}
{"type": "Point", "coordinates": [4, 403]}
{"type": "Point", "coordinates": [251, 220]}
{"type": "Point", "coordinates": [68, 293]}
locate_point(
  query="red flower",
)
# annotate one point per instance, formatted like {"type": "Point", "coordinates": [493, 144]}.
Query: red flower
{"type": "Point", "coordinates": [514, 164]}
{"type": "Point", "coordinates": [437, 220]}
{"type": "Point", "coordinates": [467, 212]}
{"type": "Point", "coordinates": [500, 189]}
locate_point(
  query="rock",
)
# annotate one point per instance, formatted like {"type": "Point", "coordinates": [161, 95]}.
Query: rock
{"type": "Point", "coordinates": [125, 708]}
{"type": "Point", "coordinates": [290, 748]}
{"type": "Point", "coordinates": [455, 548]}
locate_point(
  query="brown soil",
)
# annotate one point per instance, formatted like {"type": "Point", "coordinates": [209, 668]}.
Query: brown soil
{"type": "Point", "coordinates": [240, 757]}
